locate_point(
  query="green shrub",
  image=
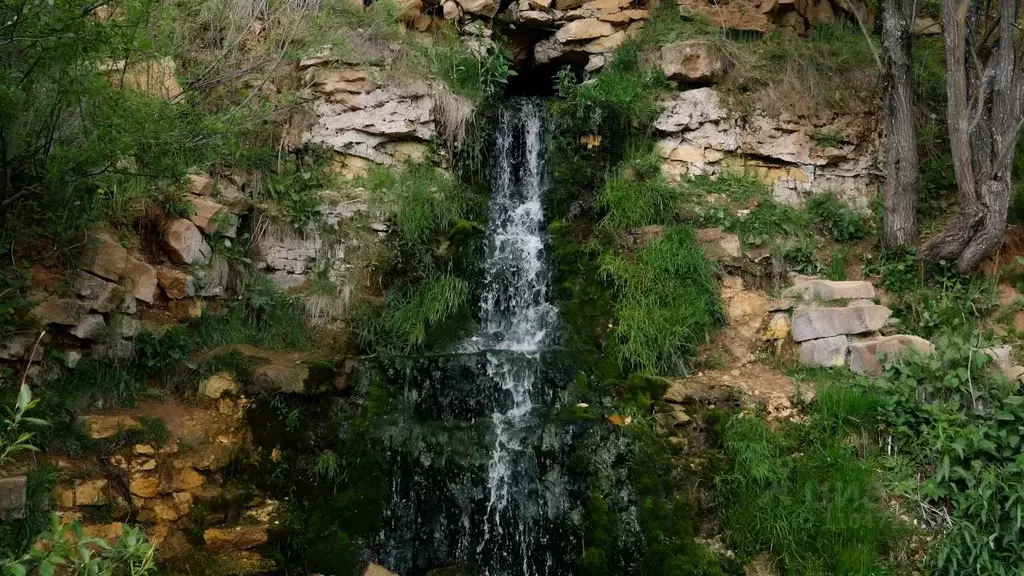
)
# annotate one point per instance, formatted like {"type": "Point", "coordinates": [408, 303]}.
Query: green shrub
{"type": "Point", "coordinates": [954, 423]}
{"type": "Point", "coordinates": [296, 189]}
{"type": "Point", "coordinates": [803, 494]}
{"type": "Point", "coordinates": [836, 219]}
{"type": "Point", "coordinates": [666, 301]}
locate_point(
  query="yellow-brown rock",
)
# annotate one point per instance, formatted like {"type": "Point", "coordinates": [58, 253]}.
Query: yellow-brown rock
{"type": "Point", "coordinates": [235, 538]}
{"type": "Point", "coordinates": [91, 493]}
{"type": "Point", "coordinates": [145, 485]}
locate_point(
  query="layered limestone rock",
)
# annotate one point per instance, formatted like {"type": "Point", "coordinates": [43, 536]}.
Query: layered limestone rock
{"type": "Point", "coordinates": [700, 135]}
{"type": "Point", "coordinates": [366, 121]}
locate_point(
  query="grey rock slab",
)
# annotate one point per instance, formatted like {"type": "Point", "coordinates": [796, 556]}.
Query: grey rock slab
{"type": "Point", "coordinates": [13, 492]}
{"type": "Point", "coordinates": [813, 323]}
{"type": "Point", "coordinates": [824, 351]}
{"type": "Point", "coordinates": [867, 357]}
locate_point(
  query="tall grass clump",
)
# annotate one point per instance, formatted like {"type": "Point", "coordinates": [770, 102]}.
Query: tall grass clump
{"type": "Point", "coordinates": [666, 301]}
{"type": "Point", "coordinates": [636, 193]}
{"type": "Point", "coordinates": [411, 312]}
{"type": "Point", "coordinates": [803, 493]}
{"type": "Point", "coordinates": [475, 72]}
{"type": "Point", "coordinates": [836, 219]}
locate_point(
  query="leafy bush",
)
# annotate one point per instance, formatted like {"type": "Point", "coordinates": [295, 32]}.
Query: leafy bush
{"type": "Point", "coordinates": [954, 424]}
{"type": "Point", "coordinates": [803, 493]}
{"type": "Point", "coordinates": [667, 301]}
{"type": "Point", "coordinates": [836, 219]}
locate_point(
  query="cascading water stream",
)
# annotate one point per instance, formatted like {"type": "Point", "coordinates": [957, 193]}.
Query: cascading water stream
{"type": "Point", "coordinates": [493, 510]}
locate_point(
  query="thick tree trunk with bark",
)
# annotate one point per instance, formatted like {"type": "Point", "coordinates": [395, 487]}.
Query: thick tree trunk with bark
{"type": "Point", "coordinates": [985, 110]}
{"type": "Point", "coordinates": [901, 177]}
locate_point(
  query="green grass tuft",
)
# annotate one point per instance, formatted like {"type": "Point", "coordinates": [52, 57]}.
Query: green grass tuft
{"type": "Point", "coordinates": [667, 301]}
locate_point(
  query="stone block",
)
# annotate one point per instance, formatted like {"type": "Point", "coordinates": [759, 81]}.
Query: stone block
{"type": "Point", "coordinates": [98, 426]}
{"type": "Point", "coordinates": [824, 351]}
{"type": "Point", "coordinates": [97, 293]}
{"type": "Point", "coordinates": [814, 323]}
{"type": "Point", "coordinates": [143, 279]}
{"type": "Point", "coordinates": [867, 357]}
{"type": "Point", "coordinates": [235, 538]}
{"type": "Point", "coordinates": [830, 290]}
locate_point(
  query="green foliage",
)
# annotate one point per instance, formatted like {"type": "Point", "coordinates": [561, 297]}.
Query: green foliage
{"type": "Point", "coordinates": [296, 188]}
{"type": "Point", "coordinates": [827, 139]}
{"type": "Point", "coordinates": [836, 219]}
{"type": "Point", "coordinates": [13, 438]}
{"type": "Point", "coordinates": [837, 265]}
{"type": "Point", "coordinates": [437, 221]}
{"type": "Point", "coordinates": [476, 71]}
{"type": "Point", "coordinates": [768, 221]}
{"type": "Point", "coordinates": [424, 201]}
{"type": "Point", "coordinates": [68, 550]}
{"type": "Point", "coordinates": [666, 301]}
{"type": "Point", "coordinates": [636, 193]}
{"type": "Point", "coordinates": [947, 301]}
{"type": "Point", "coordinates": [954, 423]}
{"type": "Point", "coordinates": [80, 147]}
{"type": "Point", "coordinates": [326, 469]}
{"type": "Point", "coordinates": [897, 269]}
{"type": "Point", "coordinates": [803, 493]}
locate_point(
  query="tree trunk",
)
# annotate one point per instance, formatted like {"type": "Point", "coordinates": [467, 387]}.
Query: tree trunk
{"type": "Point", "coordinates": [984, 111]}
{"type": "Point", "coordinates": [901, 176]}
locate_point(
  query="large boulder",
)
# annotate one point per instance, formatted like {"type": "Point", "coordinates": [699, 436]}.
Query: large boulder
{"type": "Point", "coordinates": [143, 280]}
{"type": "Point", "coordinates": [177, 284]}
{"type": "Point", "coordinates": [814, 323]}
{"type": "Point", "coordinates": [824, 351]}
{"type": "Point", "coordinates": [185, 243]}
{"type": "Point", "coordinates": [693, 62]}
{"type": "Point", "coordinates": [91, 327]}
{"type": "Point", "coordinates": [98, 426]}
{"type": "Point", "coordinates": [868, 356]}
{"type": "Point", "coordinates": [206, 214]}
{"type": "Point", "coordinates": [817, 289]}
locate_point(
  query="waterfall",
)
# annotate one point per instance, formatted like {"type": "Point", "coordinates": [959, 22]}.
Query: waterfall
{"type": "Point", "coordinates": [482, 486]}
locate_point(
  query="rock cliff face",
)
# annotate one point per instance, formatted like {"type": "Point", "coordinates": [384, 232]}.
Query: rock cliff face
{"type": "Point", "coordinates": [798, 156]}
